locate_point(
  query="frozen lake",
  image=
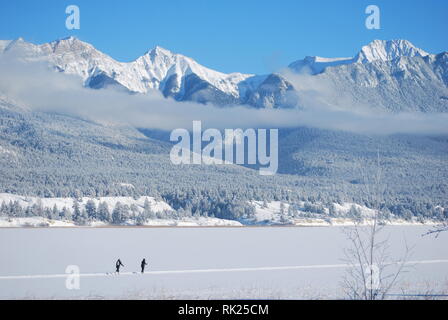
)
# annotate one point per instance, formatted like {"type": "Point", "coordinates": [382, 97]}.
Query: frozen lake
{"type": "Point", "coordinates": [247, 259]}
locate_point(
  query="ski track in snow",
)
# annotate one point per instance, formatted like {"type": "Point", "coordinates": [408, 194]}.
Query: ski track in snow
{"type": "Point", "coordinates": [110, 274]}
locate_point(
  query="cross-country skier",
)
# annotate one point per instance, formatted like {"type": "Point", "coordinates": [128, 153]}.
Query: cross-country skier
{"type": "Point", "coordinates": [143, 265]}
{"type": "Point", "coordinates": [118, 265]}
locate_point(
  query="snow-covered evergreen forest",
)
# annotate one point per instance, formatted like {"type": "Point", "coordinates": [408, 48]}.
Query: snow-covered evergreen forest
{"type": "Point", "coordinates": [51, 155]}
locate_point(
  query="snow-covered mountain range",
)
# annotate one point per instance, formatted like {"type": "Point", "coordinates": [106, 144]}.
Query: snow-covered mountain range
{"type": "Point", "coordinates": [390, 75]}
{"type": "Point", "coordinates": [173, 74]}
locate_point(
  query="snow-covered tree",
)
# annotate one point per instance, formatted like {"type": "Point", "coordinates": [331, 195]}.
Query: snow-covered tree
{"type": "Point", "coordinates": [103, 212]}
{"type": "Point", "coordinates": [79, 216]}
{"type": "Point", "coordinates": [119, 213]}
{"type": "Point", "coordinates": [65, 214]}
{"type": "Point", "coordinates": [91, 209]}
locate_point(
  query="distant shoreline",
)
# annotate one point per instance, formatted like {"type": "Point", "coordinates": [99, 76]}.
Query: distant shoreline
{"type": "Point", "coordinates": [254, 226]}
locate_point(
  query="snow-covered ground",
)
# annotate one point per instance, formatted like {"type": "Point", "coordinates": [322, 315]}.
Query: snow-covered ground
{"type": "Point", "coordinates": [268, 212]}
{"type": "Point", "coordinates": [262, 262]}
{"type": "Point", "coordinates": [193, 222]}
{"type": "Point", "coordinates": [277, 213]}
{"type": "Point", "coordinates": [39, 222]}
{"type": "Point", "coordinates": [33, 222]}
{"type": "Point", "coordinates": [344, 222]}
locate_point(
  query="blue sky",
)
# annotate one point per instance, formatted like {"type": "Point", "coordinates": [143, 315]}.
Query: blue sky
{"type": "Point", "coordinates": [251, 36]}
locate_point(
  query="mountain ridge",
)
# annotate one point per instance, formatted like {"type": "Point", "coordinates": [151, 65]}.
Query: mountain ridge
{"type": "Point", "coordinates": [182, 78]}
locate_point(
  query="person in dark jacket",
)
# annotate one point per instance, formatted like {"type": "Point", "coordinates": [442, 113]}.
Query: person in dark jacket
{"type": "Point", "coordinates": [143, 264]}
{"type": "Point", "coordinates": [118, 264]}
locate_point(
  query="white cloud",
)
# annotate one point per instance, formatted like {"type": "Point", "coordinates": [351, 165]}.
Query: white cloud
{"type": "Point", "coordinates": [41, 89]}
